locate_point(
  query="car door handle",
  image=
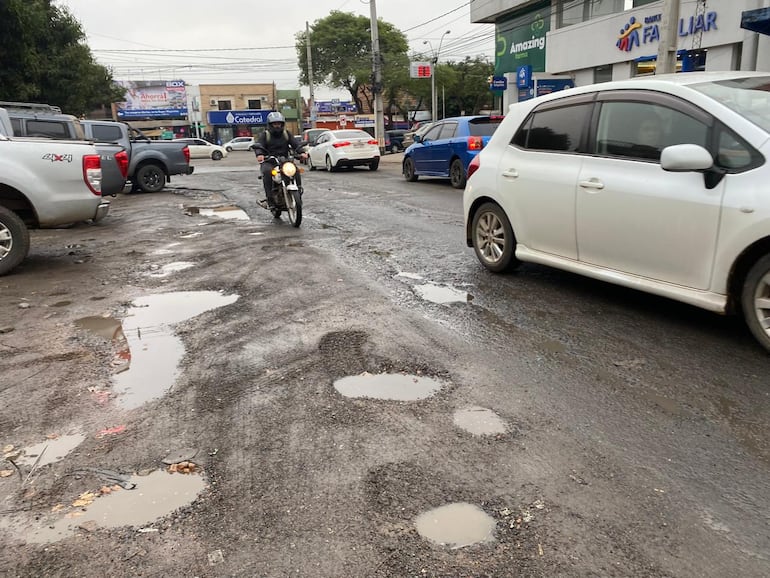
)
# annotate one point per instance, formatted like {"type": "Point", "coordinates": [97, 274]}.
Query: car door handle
{"type": "Point", "coordinates": [511, 173]}
{"type": "Point", "coordinates": [592, 184]}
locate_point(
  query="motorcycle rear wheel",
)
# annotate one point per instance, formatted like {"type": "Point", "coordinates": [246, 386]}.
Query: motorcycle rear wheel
{"type": "Point", "coordinates": [293, 202]}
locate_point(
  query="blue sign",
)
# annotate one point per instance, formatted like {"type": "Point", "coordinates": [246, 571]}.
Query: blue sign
{"type": "Point", "coordinates": [152, 113]}
{"type": "Point", "coordinates": [220, 117]}
{"type": "Point", "coordinates": [499, 83]}
{"type": "Point", "coordinates": [524, 76]}
{"type": "Point", "coordinates": [549, 85]}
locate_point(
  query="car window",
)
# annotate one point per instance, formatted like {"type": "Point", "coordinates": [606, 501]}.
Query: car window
{"type": "Point", "coordinates": [642, 130]}
{"type": "Point", "coordinates": [555, 129]}
{"type": "Point", "coordinates": [484, 126]}
{"type": "Point", "coordinates": [448, 130]}
{"type": "Point", "coordinates": [733, 154]}
{"type": "Point", "coordinates": [48, 128]}
{"type": "Point", "coordinates": [106, 133]}
{"type": "Point", "coordinates": [353, 134]}
{"type": "Point", "coordinates": [433, 133]}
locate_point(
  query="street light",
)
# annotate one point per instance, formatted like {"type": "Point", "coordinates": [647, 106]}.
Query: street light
{"type": "Point", "coordinates": [434, 103]}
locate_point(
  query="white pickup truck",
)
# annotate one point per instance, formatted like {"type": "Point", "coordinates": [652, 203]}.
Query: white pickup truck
{"type": "Point", "coordinates": [44, 183]}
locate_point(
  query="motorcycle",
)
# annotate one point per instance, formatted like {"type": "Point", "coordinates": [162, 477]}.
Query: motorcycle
{"type": "Point", "coordinates": [286, 193]}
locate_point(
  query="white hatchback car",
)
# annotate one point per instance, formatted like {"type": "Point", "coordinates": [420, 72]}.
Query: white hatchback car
{"type": "Point", "coordinates": [344, 148]}
{"type": "Point", "coordinates": [657, 183]}
{"type": "Point", "coordinates": [239, 143]}
{"type": "Point", "coordinates": [203, 149]}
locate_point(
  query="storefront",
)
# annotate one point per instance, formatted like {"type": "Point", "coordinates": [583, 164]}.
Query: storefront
{"type": "Point", "coordinates": [228, 124]}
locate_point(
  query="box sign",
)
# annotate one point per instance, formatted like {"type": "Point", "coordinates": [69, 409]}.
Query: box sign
{"type": "Point", "coordinates": [420, 70]}
{"type": "Point", "coordinates": [243, 117]}
{"type": "Point", "coordinates": [153, 99]}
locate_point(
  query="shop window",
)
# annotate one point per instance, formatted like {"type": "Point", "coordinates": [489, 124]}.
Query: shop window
{"type": "Point", "coordinates": [571, 12]}
{"type": "Point", "coordinates": [603, 73]}
{"type": "Point", "coordinates": [225, 105]}
{"type": "Point", "coordinates": [254, 104]}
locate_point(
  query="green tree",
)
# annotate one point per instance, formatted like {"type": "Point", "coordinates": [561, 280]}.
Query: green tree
{"type": "Point", "coordinates": [44, 58]}
{"type": "Point", "coordinates": [341, 45]}
{"type": "Point", "coordinates": [467, 87]}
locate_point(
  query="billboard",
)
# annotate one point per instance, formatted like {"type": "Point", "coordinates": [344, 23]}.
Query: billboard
{"type": "Point", "coordinates": [153, 99]}
{"type": "Point", "coordinates": [520, 40]}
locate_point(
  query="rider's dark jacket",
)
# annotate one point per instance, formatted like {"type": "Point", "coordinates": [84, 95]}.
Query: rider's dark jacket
{"type": "Point", "coordinates": [279, 145]}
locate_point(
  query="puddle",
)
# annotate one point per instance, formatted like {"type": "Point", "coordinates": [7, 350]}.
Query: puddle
{"type": "Point", "coordinates": [170, 268]}
{"type": "Point", "coordinates": [456, 525]}
{"type": "Point", "coordinates": [230, 213]}
{"type": "Point", "coordinates": [480, 421]}
{"type": "Point", "coordinates": [155, 349]}
{"type": "Point", "coordinates": [441, 294]}
{"type": "Point", "coordinates": [107, 327]}
{"type": "Point", "coordinates": [50, 451]}
{"type": "Point", "coordinates": [190, 235]}
{"type": "Point", "coordinates": [154, 496]}
{"type": "Point", "coordinates": [414, 276]}
{"type": "Point", "coordinates": [391, 386]}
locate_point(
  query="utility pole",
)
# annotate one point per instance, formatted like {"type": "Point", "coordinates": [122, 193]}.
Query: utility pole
{"type": "Point", "coordinates": [313, 114]}
{"type": "Point", "coordinates": [379, 120]}
{"type": "Point", "coordinates": [668, 38]}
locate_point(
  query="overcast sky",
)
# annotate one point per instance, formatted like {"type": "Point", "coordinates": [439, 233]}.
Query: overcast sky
{"type": "Point", "coordinates": [194, 40]}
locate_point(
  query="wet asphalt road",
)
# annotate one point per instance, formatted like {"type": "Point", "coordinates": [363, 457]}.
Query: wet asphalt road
{"type": "Point", "coordinates": [671, 403]}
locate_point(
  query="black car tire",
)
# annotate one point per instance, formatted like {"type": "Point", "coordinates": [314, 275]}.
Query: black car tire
{"type": "Point", "coordinates": [216, 156]}
{"type": "Point", "coordinates": [493, 239]}
{"type": "Point", "coordinates": [408, 170]}
{"type": "Point", "coordinates": [14, 238]}
{"type": "Point", "coordinates": [151, 178]}
{"type": "Point", "coordinates": [229, 149]}
{"type": "Point", "coordinates": [374, 164]}
{"type": "Point", "coordinates": [329, 166]}
{"type": "Point", "coordinates": [310, 163]}
{"type": "Point", "coordinates": [756, 290]}
{"type": "Point", "coordinates": [457, 174]}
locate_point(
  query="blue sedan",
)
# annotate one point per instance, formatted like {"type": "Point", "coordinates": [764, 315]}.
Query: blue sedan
{"type": "Point", "coordinates": [448, 148]}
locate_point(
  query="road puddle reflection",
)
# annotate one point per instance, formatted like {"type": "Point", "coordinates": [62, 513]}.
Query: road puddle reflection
{"type": "Point", "coordinates": [230, 213]}
{"type": "Point", "coordinates": [154, 496]}
{"type": "Point", "coordinates": [155, 351]}
{"type": "Point", "coordinates": [170, 268]}
{"type": "Point", "coordinates": [51, 450]}
{"type": "Point", "coordinates": [107, 327]}
{"type": "Point", "coordinates": [456, 525]}
{"type": "Point", "coordinates": [390, 386]}
{"type": "Point", "coordinates": [441, 294]}
{"type": "Point", "coordinates": [479, 421]}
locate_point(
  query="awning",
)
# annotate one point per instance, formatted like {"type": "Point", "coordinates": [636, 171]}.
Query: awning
{"type": "Point", "coordinates": [756, 20]}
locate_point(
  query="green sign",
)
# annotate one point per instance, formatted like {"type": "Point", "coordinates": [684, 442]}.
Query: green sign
{"type": "Point", "coordinates": [521, 40]}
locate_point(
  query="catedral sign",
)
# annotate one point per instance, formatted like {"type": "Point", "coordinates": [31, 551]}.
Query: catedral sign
{"type": "Point", "coordinates": [638, 32]}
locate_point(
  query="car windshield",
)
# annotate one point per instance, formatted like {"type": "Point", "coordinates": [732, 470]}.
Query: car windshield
{"type": "Point", "coordinates": [484, 126]}
{"type": "Point", "coordinates": [749, 97]}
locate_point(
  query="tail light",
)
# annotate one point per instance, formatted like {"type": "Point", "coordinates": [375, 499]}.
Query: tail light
{"type": "Point", "coordinates": [122, 159]}
{"type": "Point", "coordinates": [473, 166]}
{"type": "Point", "coordinates": [186, 153]}
{"type": "Point", "coordinates": [373, 141]}
{"type": "Point", "coordinates": [475, 143]}
{"type": "Point", "coordinates": [92, 173]}
{"type": "Point", "coordinates": [342, 143]}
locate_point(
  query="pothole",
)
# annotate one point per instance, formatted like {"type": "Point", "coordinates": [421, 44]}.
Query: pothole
{"type": "Point", "coordinates": [456, 525]}
{"type": "Point", "coordinates": [441, 294]}
{"type": "Point", "coordinates": [154, 496]}
{"type": "Point", "coordinates": [170, 268]}
{"type": "Point", "coordinates": [50, 451]}
{"type": "Point", "coordinates": [154, 349]}
{"type": "Point", "coordinates": [389, 386]}
{"type": "Point", "coordinates": [479, 421]}
{"type": "Point", "coordinates": [228, 213]}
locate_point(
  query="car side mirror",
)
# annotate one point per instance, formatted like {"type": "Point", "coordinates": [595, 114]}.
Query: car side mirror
{"type": "Point", "coordinates": [685, 158]}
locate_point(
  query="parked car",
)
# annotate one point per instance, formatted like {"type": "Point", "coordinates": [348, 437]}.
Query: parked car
{"type": "Point", "coordinates": [418, 128]}
{"type": "Point", "coordinates": [657, 183]}
{"type": "Point", "coordinates": [203, 149]}
{"type": "Point", "coordinates": [344, 148]}
{"type": "Point", "coordinates": [394, 140]}
{"type": "Point", "coordinates": [447, 148]}
{"type": "Point", "coordinates": [239, 143]}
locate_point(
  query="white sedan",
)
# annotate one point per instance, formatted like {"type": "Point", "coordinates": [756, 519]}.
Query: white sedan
{"type": "Point", "coordinates": [239, 143]}
{"type": "Point", "coordinates": [203, 149]}
{"type": "Point", "coordinates": [656, 183]}
{"type": "Point", "coordinates": [344, 148]}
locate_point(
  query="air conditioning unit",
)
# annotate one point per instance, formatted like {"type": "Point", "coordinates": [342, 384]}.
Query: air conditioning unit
{"type": "Point", "coordinates": [213, 102]}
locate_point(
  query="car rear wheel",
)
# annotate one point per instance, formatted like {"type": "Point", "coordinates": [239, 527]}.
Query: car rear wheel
{"type": "Point", "coordinates": [493, 239]}
{"type": "Point", "coordinates": [329, 165]}
{"type": "Point", "coordinates": [150, 178]}
{"type": "Point", "coordinates": [14, 240]}
{"type": "Point", "coordinates": [374, 164]}
{"type": "Point", "coordinates": [755, 300]}
{"type": "Point", "coordinates": [457, 174]}
{"type": "Point", "coordinates": [409, 173]}
{"type": "Point", "coordinates": [216, 155]}
{"type": "Point", "coordinates": [310, 162]}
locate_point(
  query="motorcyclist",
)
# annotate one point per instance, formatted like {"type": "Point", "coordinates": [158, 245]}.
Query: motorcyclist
{"type": "Point", "coordinates": [276, 141]}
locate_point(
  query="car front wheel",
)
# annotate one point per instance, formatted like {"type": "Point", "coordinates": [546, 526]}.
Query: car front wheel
{"type": "Point", "coordinates": [755, 300]}
{"type": "Point", "coordinates": [493, 239]}
{"type": "Point", "coordinates": [216, 156]}
{"type": "Point", "coordinates": [409, 173]}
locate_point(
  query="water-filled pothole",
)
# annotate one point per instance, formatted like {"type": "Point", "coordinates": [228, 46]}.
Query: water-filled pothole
{"type": "Point", "coordinates": [390, 386]}
{"type": "Point", "coordinates": [154, 496]}
{"type": "Point", "coordinates": [479, 421]}
{"type": "Point", "coordinates": [441, 294]}
{"type": "Point", "coordinates": [170, 268]}
{"type": "Point", "coordinates": [456, 525]}
{"type": "Point", "coordinates": [155, 350]}
{"type": "Point", "coordinates": [228, 213]}
{"type": "Point", "coordinates": [50, 451]}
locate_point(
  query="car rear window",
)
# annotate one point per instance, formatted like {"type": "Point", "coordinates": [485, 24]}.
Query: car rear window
{"type": "Point", "coordinates": [353, 134]}
{"type": "Point", "coordinates": [484, 126]}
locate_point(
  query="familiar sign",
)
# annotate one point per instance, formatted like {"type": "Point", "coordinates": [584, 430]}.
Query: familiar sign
{"type": "Point", "coordinates": [420, 70]}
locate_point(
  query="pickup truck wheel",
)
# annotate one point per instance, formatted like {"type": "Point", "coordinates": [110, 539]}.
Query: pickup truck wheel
{"type": "Point", "coordinates": [151, 178]}
{"type": "Point", "coordinates": [216, 156]}
{"type": "Point", "coordinates": [14, 240]}
{"type": "Point", "coordinates": [755, 300]}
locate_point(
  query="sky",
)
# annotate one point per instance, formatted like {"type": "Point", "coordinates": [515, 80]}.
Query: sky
{"type": "Point", "coordinates": [252, 41]}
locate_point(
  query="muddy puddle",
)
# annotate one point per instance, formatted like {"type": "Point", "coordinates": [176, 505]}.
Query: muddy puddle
{"type": "Point", "coordinates": [388, 386]}
{"type": "Point", "coordinates": [480, 421]}
{"type": "Point", "coordinates": [171, 268]}
{"type": "Point", "coordinates": [154, 496]}
{"type": "Point", "coordinates": [441, 294]}
{"type": "Point", "coordinates": [226, 213]}
{"type": "Point", "coordinates": [456, 525]}
{"type": "Point", "coordinates": [50, 451]}
{"type": "Point", "coordinates": [154, 347]}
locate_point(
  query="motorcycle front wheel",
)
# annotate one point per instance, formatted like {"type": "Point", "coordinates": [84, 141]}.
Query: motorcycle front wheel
{"type": "Point", "coordinates": [293, 202]}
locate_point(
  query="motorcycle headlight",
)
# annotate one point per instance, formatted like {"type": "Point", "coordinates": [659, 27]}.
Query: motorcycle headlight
{"type": "Point", "coordinates": [289, 169]}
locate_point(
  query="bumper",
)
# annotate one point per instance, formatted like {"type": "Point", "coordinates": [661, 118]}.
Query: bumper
{"type": "Point", "coordinates": [102, 210]}
{"type": "Point", "coordinates": [356, 162]}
